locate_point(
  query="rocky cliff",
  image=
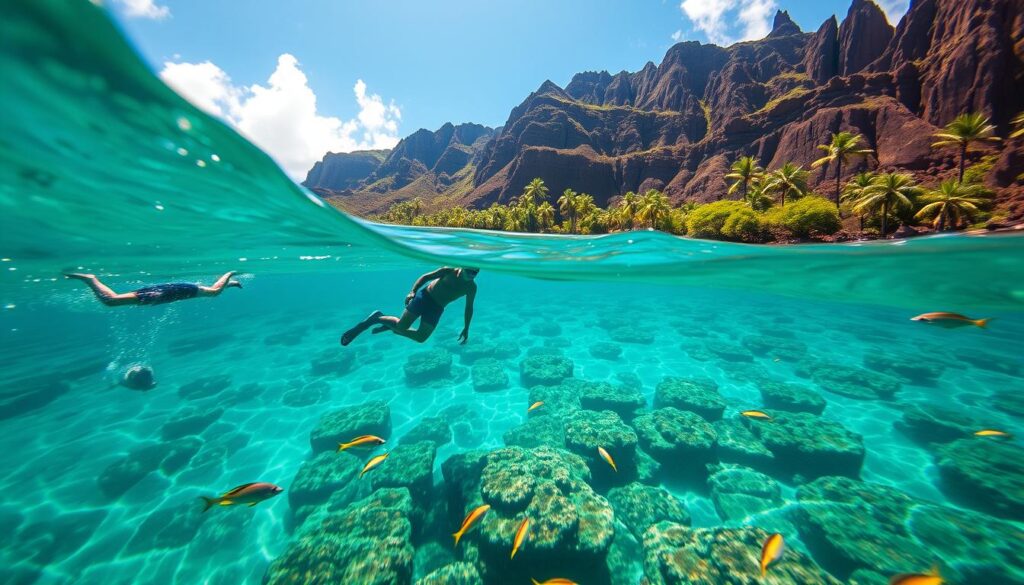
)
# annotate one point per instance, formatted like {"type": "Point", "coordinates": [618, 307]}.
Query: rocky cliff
{"type": "Point", "coordinates": [677, 125]}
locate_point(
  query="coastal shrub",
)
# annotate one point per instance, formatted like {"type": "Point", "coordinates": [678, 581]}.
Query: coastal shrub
{"type": "Point", "coordinates": [744, 225]}
{"type": "Point", "coordinates": [707, 221]}
{"type": "Point", "coordinates": [806, 217]}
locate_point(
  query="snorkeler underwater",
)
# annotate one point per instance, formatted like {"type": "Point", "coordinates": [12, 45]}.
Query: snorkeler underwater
{"type": "Point", "coordinates": [458, 293]}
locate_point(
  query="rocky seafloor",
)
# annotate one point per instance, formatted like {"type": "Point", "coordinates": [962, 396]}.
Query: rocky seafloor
{"type": "Point", "coordinates": [868, 466]}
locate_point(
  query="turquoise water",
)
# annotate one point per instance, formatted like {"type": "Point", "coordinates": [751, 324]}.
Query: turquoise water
{"type": "Point", "coordinates": [104, 170]}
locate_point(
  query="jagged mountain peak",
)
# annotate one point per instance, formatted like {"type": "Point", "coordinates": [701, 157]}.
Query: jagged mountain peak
{"type": "Point", "coordinates": [783, 26]}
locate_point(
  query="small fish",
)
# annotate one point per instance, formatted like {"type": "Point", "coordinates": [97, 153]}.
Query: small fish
{"type": "Point", "coordinates": [373, 463]}
{"type": "Point", "coordinates": [756, 414]}
{"type": "Point", "coordinates": [361, 441]}
{"type": "Point", "coordinates": [992, 433]}
{"type": "Point", "coordinates": [471, 519]}
{"type": "Point", "coordinates": [247, 493]}
{"type": "Point", "coordinates": [604, 455]}
{"type": "Point", "coordinates": [931, 578]}
{"type": "Point", "coordinates": [950, 320]}
{"type": "Point", "coordinates": [771, 552]}
{"type": "Point", "coordinates": [556, 581]}
{"type": "Point", "coordinates": [535, 406]}
{"type": "Point", "coordinates": [520, 536]}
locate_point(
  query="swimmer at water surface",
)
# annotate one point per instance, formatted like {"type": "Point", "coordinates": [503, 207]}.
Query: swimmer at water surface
{"type": "Point", "coordinates": [430, 294]}
{"type": "Point", "coordinates": [157, 294]}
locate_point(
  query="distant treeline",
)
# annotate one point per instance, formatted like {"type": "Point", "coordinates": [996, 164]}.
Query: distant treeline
{"type": "Point", "coordinates": [772, 205]}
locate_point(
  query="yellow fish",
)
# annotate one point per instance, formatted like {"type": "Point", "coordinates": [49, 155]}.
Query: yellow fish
{"type": "Point", "coordinates": [771, 552]}
{"type": "Point", "coordinates": [556, 581]}
{"type": "Point", "coordinates": [950, 320]}
{"type": "Point", "coordinates": [535, 406]}
{"type": "Point", "coordinates": [992, 433]}
{"type": "Point", "coordinates": [604, 455]}
{"type": "Point", "coordinates": [520, 536]}
{"type": "Point", "coordinates": [932, 578]}
{"type": "Point", "coordinates": [756, 414]}
{"type": "Point", "coordinates": [247, 493]}
{"type": "Point", "coordinates": [373, 463]}
{"type": "Point", "coordinates": [361, 441]}
{"type": "Point", "coordinates": [471, 519]}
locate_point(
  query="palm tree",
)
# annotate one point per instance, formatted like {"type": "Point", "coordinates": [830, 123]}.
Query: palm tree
{"type": "Point", "coordinates": [569, 207]}
{"type": "Point", "coordinates": [535, 192]}
{"type": "Point", "coordinates": [888, 192]}
{"type": "Point", "coordinates": [756, 198]}
{"type": "Point", "coordinates": [1019, 123]}
{"type": "Point", "coordinates": [654, 207]}
{"type": "Point", "coordinates": [951, 204]}
{"type": "Point", "coordinates": [965, 130]}
{"type": "Point", "coordinates": [742, 172]}
{"type": "Point", "coordinates": [855, 189]}
{"type": "Point", "coordinates": [789, 180]}
{"type": "Point", "coordinates": [545, 216]}
{"type": "Point", "coordinates": [626, 212]}
{"type": "Point", "coordinates": [843, 146]}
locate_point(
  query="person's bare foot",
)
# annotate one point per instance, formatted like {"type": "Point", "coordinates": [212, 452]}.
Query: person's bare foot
{"type": "Point", "coordinates": [79, 276]}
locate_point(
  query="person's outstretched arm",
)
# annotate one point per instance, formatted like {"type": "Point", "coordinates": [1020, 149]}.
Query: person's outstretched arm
{"type": "Point", "coordinates": [464, 336]}
{"type": "Point", "coordinates": [425, 279]}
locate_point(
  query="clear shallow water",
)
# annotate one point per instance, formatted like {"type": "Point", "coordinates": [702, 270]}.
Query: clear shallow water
{"type": "Point", "coordinates": [100, 171]}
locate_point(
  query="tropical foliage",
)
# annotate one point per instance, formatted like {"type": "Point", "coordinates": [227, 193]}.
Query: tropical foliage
{"type": "Point", "coordinates": [891, 192]}
{"type": "Point", "coordinates": [742, 173]}
{"type": "Point", "coordinates": [963, 132]}
{"type": "Point", "coordinates": [952, 204]}
{"type": "Point", "coordinates": [1018, 124]}
{"type": "Point", "coordinates": [789, 180]}
{"type": "Point", "coordinates": [843, 146]}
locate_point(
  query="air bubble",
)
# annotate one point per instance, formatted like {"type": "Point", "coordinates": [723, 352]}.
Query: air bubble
{"type": "Point", "coordinates": [184, 124]}
{"type": "Point", "coordinates": [182, 151]}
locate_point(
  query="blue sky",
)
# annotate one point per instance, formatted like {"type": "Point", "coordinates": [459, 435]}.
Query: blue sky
{"type": "Point", "coordinates": [307, 76]}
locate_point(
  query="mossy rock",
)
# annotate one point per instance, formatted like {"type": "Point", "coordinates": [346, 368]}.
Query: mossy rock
{"type": "Point", "coordinates": [604, 350]}
{"type": "Point", "coordinates": [428, 366]}
{"type": "Point", "coordinates": [368, 542]}
{"type": "Point", "coordinates": [809, 446]}
{"type": "Point", "coordinates": [737, 444]}
{"type": "Point", "coordinates": [984, 473]}
{"type": "Point", "coordinates": [430, 428]}
{"type": "Point", "coordinates": [850, 381]}
{"type": "Point", "coordinates": [340, 426]}
{"type": "Point", "coordinates": [674, 436]}
{"type": "Point", "coordinates": [586, 430]}
{"type": "Point", "coordinates": [544, 370]}
{"type": "Point", "coordinates": [625, 400]}
{"type": "Point", "coordinates": [699, 395]}
{"type": "Point", "coordinates": [740, 492]}
{"type": "Point", "coordinates": [791, 397]}
{"type": "Point", "coordinates": [932, 423]}
{"type": "Point", "coordinates": [675, 554]}
{"type": "Point", "coordinates": [489, 375]}
{"type": "Point", "coordinates": [640, 506]}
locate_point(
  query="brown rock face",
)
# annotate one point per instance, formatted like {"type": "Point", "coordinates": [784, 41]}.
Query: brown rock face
{"type": "Point", "coordinates": [821, 60]}
{"type": "Point", "coordinates": [344, 170]}
{"type": "Point", "coordinates": [863, 37]}
{"type": "Point", "coordinates": [969, 56]}
{"type": "Point", "coordinates": [679, 124]}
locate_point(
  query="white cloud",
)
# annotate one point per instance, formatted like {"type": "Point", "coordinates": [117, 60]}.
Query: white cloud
{"type": "Point", "coordinates": [894, 9]}
{"type": "Point", "coordinates": [727, 21]}
{"type": "Point", "coordinates": [756, 16]}
{"type": "Point", "coordinates": [144, 9]}
{"type": "Point", "coordinates": [282, 117]}
{"type": "Point", "coordinates": [678, 35]}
